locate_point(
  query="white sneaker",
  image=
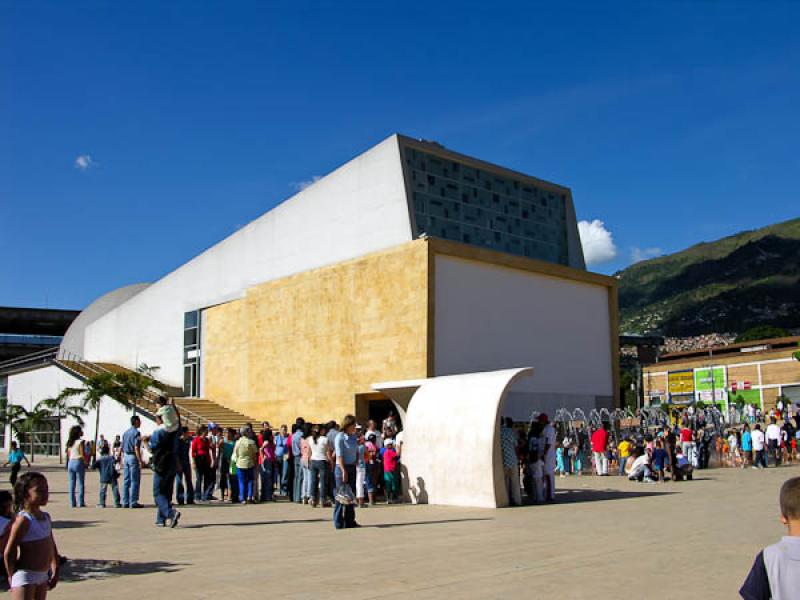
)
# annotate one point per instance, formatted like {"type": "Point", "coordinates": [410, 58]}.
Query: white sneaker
{"type": "Point", "coordinates": [648, 480]}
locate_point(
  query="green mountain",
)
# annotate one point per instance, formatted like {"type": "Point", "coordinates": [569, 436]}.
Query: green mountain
{"type": "Point", "coordinates": [748, 279]}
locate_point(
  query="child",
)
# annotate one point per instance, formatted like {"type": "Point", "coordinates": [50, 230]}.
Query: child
{"type": "Point", "coordinates": [371, 465]}
{"type": "Point", "coordinates": [389, 467]}
{"type": "Point", "coordinates": [108, 476]}
{"type": "Point", "coordinates": [682, 469]}
{"type": "Point", "coordinates": [15, 458]}
{"type": "Point", "coordinates": [226, 452]}
{"type": "Point", "coordinates": [560, 462]}
{"type": "Point", "coordinates": [6, 518]}
{"type": "Point", "coordinates": [659, 460]}
{"type": "Point", "coordinates": [31, 556]}
{"type": "Point", "coordinates": [775, 573]}
{"type": "Point", "coordinates": [361, 472]}
{"type": "Point", "coordinates": [168, 415]}
{"type": "Point", "coordinates": [233, 474]}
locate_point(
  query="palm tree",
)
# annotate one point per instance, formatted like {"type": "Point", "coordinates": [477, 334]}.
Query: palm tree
{"type": "Point", "coordinates": [132, 386]}
{"type": "Point", "coordinates": [63, 408]}
{"type": "Point", "coordinates": [92, 393]}
{"type": "Point", "coordinates": [27, 421]}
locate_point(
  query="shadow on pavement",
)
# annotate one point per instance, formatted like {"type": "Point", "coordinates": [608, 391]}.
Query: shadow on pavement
{"type": "Point", "coordinates": [74, 524]}
{"type": "Point", "coordinates": [388, 525]}
{"type": "Point", "coordinates": [575, 496]}
{"type": "Point", "coordinates": [83, 569]}
{"type": "Point", "coordinates": [251, 523]}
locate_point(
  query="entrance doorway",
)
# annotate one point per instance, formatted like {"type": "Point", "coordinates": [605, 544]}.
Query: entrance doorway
{"type": "Point", "coordinates": [375, 406]}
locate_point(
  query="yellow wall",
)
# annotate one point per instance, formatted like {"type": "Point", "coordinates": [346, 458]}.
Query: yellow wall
{"type": "Point", "coordinates": [306, 344]}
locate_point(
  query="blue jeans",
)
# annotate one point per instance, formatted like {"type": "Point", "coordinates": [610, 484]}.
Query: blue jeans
{"type": "Point", "coordinates": [266, 470]}
{"type": "Point", "coordinates": [203, 481]}
{"type": "Point", "coordinates": [184, 494]}
{"type": "Point", "coordinates": [283, 477]}
{"type": "Point", "coordinates": [76, 470]}
{"type": "Point", "coordinates": [114, 491]}
{"type": "Point", "coordinates": [131, 478]}
{"type": "Point", "coordinates": [319, 480]}
{"type": "Point", "coordinates": [162, 494]}
{"type": "Point", "coordinates": [245, 484]}
{"type": "Point", "coordinates": [622, 462]}
{"type": "Point", "coordinates": [344, 515]}
{"type": "Point", "coordinates": [297, 484]}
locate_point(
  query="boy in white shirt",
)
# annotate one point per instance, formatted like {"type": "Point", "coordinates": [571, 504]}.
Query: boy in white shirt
{"type": "Point", "coordinates": [757, 437]}
{"type": "Point", "coordinates": [168, 415]}
{"type": "Point", "coordinates": [775, 574]}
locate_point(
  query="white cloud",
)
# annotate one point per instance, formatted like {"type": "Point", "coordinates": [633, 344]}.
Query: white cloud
{"type": "Point", "coordinates": [301, 185]}
{"type": "Point", "coordinates": [598, 244]}
{"type": "Point", "coordinates": [640, 254]}
{"type": "Point", "coordinates": [84, 162]}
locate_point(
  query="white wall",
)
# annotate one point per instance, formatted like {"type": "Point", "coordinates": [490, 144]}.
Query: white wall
{"type": "Point", "coordinates": [28, 388]}
{"type": "Point", "coordinates": [489, 317]}
{"type": "Point", "coordinates": [359, 208]}
{"type": "Point", "coordinates": [73, 342]}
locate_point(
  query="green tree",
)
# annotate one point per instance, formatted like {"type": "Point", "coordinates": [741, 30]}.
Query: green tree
{"type": "Point", "coordinates": [61, 407]}
{"type": "Point", "coordinates": [132, 386]}
{"type": "Point", "coordinates": [762, 332]}
{"type": "Point", "coordinates": [91, 395]}
{"type": "Point", "coordinates": [24, 421]}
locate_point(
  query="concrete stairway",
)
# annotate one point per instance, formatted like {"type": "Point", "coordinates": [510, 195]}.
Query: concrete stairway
{"type": "Point", "coordinates": [212, 412]}
{"type": "Point", "coordinates": [194, 411]}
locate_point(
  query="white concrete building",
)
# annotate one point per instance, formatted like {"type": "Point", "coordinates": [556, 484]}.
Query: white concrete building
{"type": "Point", "coordinates": [536, 307]}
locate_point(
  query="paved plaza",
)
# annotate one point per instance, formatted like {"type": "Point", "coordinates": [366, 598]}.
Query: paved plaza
{"type": "Point", "coordinates": [605, 538]}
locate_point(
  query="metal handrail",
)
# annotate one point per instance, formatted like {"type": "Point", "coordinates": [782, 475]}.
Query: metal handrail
{"type": "Point", "coordinates": [149, 395]}
{"type": "Point", "coordinates": [30, 359]}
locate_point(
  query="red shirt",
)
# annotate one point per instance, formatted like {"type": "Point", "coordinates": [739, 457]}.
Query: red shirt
{"type": "Point", "coordinates": [201, 446]}
{"type": "Point", "coordinates": [686, 434]}
{"type": "Point", "coordinates": [389, 460]}
{"type": "Point", "coordinates": [599, 440]}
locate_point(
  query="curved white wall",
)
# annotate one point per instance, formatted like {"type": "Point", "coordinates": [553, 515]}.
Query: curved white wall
{"type": "Point", "coordinates": [451, 442]}
{"type": "Point", "coordinates": [491, 317]}
{"type": "Point", "coordinates": [73, 341]}
{"type": "Point", "coordinates": [359, 208]}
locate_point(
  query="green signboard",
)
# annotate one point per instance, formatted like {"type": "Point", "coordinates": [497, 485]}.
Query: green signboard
{"type": "Point", "coordinates": [747, 396]}
{"type": "Point", "coordinates": [708, 388]}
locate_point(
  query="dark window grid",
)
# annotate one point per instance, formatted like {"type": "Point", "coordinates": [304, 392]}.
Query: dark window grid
{"type": "Point", "coordinates": [537, 219]}
{"type": "Point", "coordinates": [476, 191]}
{"type": "Point", "coordinates": [507, 184]}
{"type": "Point", "coordinates": [427, 203]}
{"type": "Point", "coordinates": [490, 231]}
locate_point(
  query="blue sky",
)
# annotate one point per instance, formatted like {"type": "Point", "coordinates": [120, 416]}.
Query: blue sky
{"type": "Point", "coordinates": [673, 123]}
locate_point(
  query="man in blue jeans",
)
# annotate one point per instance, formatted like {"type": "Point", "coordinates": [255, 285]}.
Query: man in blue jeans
{"type": "Point", "coordinates": [164, 464]}
{"type": "Point", "coordinates": [132, 464]}
{"type": "Point", "coordinates": [184, 469]}
{"type": "Point", "coordinates": [282, 460]}
{"type": "Point", "coordinates": [297, 438]}
{"type": "Point", "coordinates": [346, 450]}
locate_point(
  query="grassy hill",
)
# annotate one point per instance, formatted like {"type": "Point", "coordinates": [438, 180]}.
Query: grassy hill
{"type": "Point", "coordinates": [751, 278]}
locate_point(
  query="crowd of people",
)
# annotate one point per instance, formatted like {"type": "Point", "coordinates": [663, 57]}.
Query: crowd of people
{"type": "Point", "coordinates": [671, 451]}
{"type": "Point", "coordinates": [346, 465]}
{"type": "Point", "coordinates": [304, 464]}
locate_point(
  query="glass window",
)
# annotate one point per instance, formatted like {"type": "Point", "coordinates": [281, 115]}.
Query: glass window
{"type": "Point", "coordinates": [190, 319]}
{"type": "Point", "coordinates": [481, 208]}
{"type": "Point", "coordinates": [190, 337]}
